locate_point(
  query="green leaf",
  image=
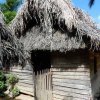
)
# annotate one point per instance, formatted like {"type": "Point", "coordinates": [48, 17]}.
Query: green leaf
{"type": "Point", "coordinates": [9, 15]}
{"type": "Point", "coordinates": [8, 9]}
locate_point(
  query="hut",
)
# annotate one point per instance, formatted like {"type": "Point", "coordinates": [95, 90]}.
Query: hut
{"type": "Point", "coordinates": [10, 49]}
{"type": "Point", "coordinates": [61, 44]}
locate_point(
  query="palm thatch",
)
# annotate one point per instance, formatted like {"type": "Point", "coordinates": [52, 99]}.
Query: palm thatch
{"type": "Point", "coordinates": [54, 25]}
{"type": "Point", "coordinates": [1, 18]}
{"type": "Point", "coordinates": [10, 50]}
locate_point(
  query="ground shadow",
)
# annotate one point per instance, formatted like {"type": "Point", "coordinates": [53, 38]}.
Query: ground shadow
{"type": "Point", "coordinates": [8, 98]}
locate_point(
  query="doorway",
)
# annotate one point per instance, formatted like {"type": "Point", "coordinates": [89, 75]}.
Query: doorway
{"type": "Point", "coordinates": [41, 61]}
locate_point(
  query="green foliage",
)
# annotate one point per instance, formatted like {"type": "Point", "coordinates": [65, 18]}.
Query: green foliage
{"type": "Point", "coordinates": [15, 92]}
{"type": "Point", "coordinates": [3, 86]}
{"type": "Point", "coordinates": [2, 76]}
{"type": "Point", "coordinates": [11, 4]}
{"type": "Point", "coordinates": [12, 79]}
{"type": "Point", "coordinates": [9, 16]}
{"type": "Point", "coordinates": [8, 9]}
{"type": "Point", "coordinates": [3, 7]}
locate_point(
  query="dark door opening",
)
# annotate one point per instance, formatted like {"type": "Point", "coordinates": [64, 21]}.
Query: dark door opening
{"type": "Point", "coordinates": [41, 60]}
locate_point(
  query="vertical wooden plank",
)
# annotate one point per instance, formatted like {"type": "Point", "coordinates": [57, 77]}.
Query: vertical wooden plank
{"type": "Point", "coordinates": [34, 82]}
{"type": "Point", "coordinates": [43, 83]}
{"type": "Point", "coordinates": [47, 83]}
{"type": "Point", "coordinates": [49, 80]}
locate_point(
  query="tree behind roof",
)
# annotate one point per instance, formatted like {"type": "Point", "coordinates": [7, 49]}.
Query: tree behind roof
{"type": "Point", "coordinates": [8, 9]}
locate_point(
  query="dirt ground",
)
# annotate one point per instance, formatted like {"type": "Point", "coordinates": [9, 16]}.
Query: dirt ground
{"type": "Point", "coordinates": [20, 97]}
{"type": "Point", "coordinates": [24, 97]}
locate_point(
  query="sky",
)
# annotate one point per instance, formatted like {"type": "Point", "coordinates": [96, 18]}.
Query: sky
{"type": "Point", "coordinates": [2, 1]}
{"type": "Point", "coordinates": [94, 12]}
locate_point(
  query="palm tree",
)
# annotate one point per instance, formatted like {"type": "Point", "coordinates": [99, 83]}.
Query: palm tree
{"type": "Point", "coordinates": [91, 2]}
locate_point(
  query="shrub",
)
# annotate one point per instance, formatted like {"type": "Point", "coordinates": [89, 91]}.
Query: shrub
{"type": "Point", "coordinates": [3, 86]}
{"type": "Point", "coordinates": [15, 92]}
{"type": "Point", "coordinates": [12, 79]}
{"type": "Point", "coordinates": [2, 77]}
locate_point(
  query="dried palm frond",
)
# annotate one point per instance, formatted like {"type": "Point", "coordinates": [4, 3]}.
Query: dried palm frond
{"type": "Point", "coordinates": [10, 50]}
{"type": "Point", "coordinates": [54, 25]}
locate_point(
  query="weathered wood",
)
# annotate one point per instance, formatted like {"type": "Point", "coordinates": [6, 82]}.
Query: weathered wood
{"type": "Point", "coordinates": [94, 62]}
{"type": "Point", "coordinates": [70, 97]}
{"type": "Point", "coordinates": [26, 90]}
{"type": "Point", "coordinates": [23, 73]}
{"type": "Point", "coordinates": [67, 97]}
{"type": "Point", "coordinates": [71, 89]}
{"type": "Point", "coordinates": [72, 73]}
{"type": "Point", "coordinates": [26, 81]}
{"type": "Point", "coordinates": [73, 81]}
{"type": "Point", "coordinates": [65, 94]}
{"type": "Point", "coordinates": [71, 76]}
{"type": "Point", "coordinates": [85, 78]}
{"type": "Point", "coordinates": [43, 85]}
{"type": "Point", "coordinates": [25, 85]}
{"type": "Point", "coordinates": [21, 70]}
{"type": "Point", "coordinates": [77, 86]}
{"type": "Point", "coordinates": [68, 79]}
{"type": "Point", "coordinates": [71, 69]}
{"type": "Point", "coordinates": [68, 89]}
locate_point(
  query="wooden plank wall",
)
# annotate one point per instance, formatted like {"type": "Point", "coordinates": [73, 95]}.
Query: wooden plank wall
{"type": "Point", "coordinates": [71, 76]}
{"type": "Point", "coordinates": [95, 76]}
{"type": "Point", "coordinates": [26, 79]}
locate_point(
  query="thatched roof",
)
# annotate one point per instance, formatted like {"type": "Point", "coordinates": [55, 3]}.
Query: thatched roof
{"type": "Point", "coordinates": [1, 18]}
{"type": "Point", "coordinates": [54, 25]}
{"type": "Point", "coordinates": [10, 50]}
